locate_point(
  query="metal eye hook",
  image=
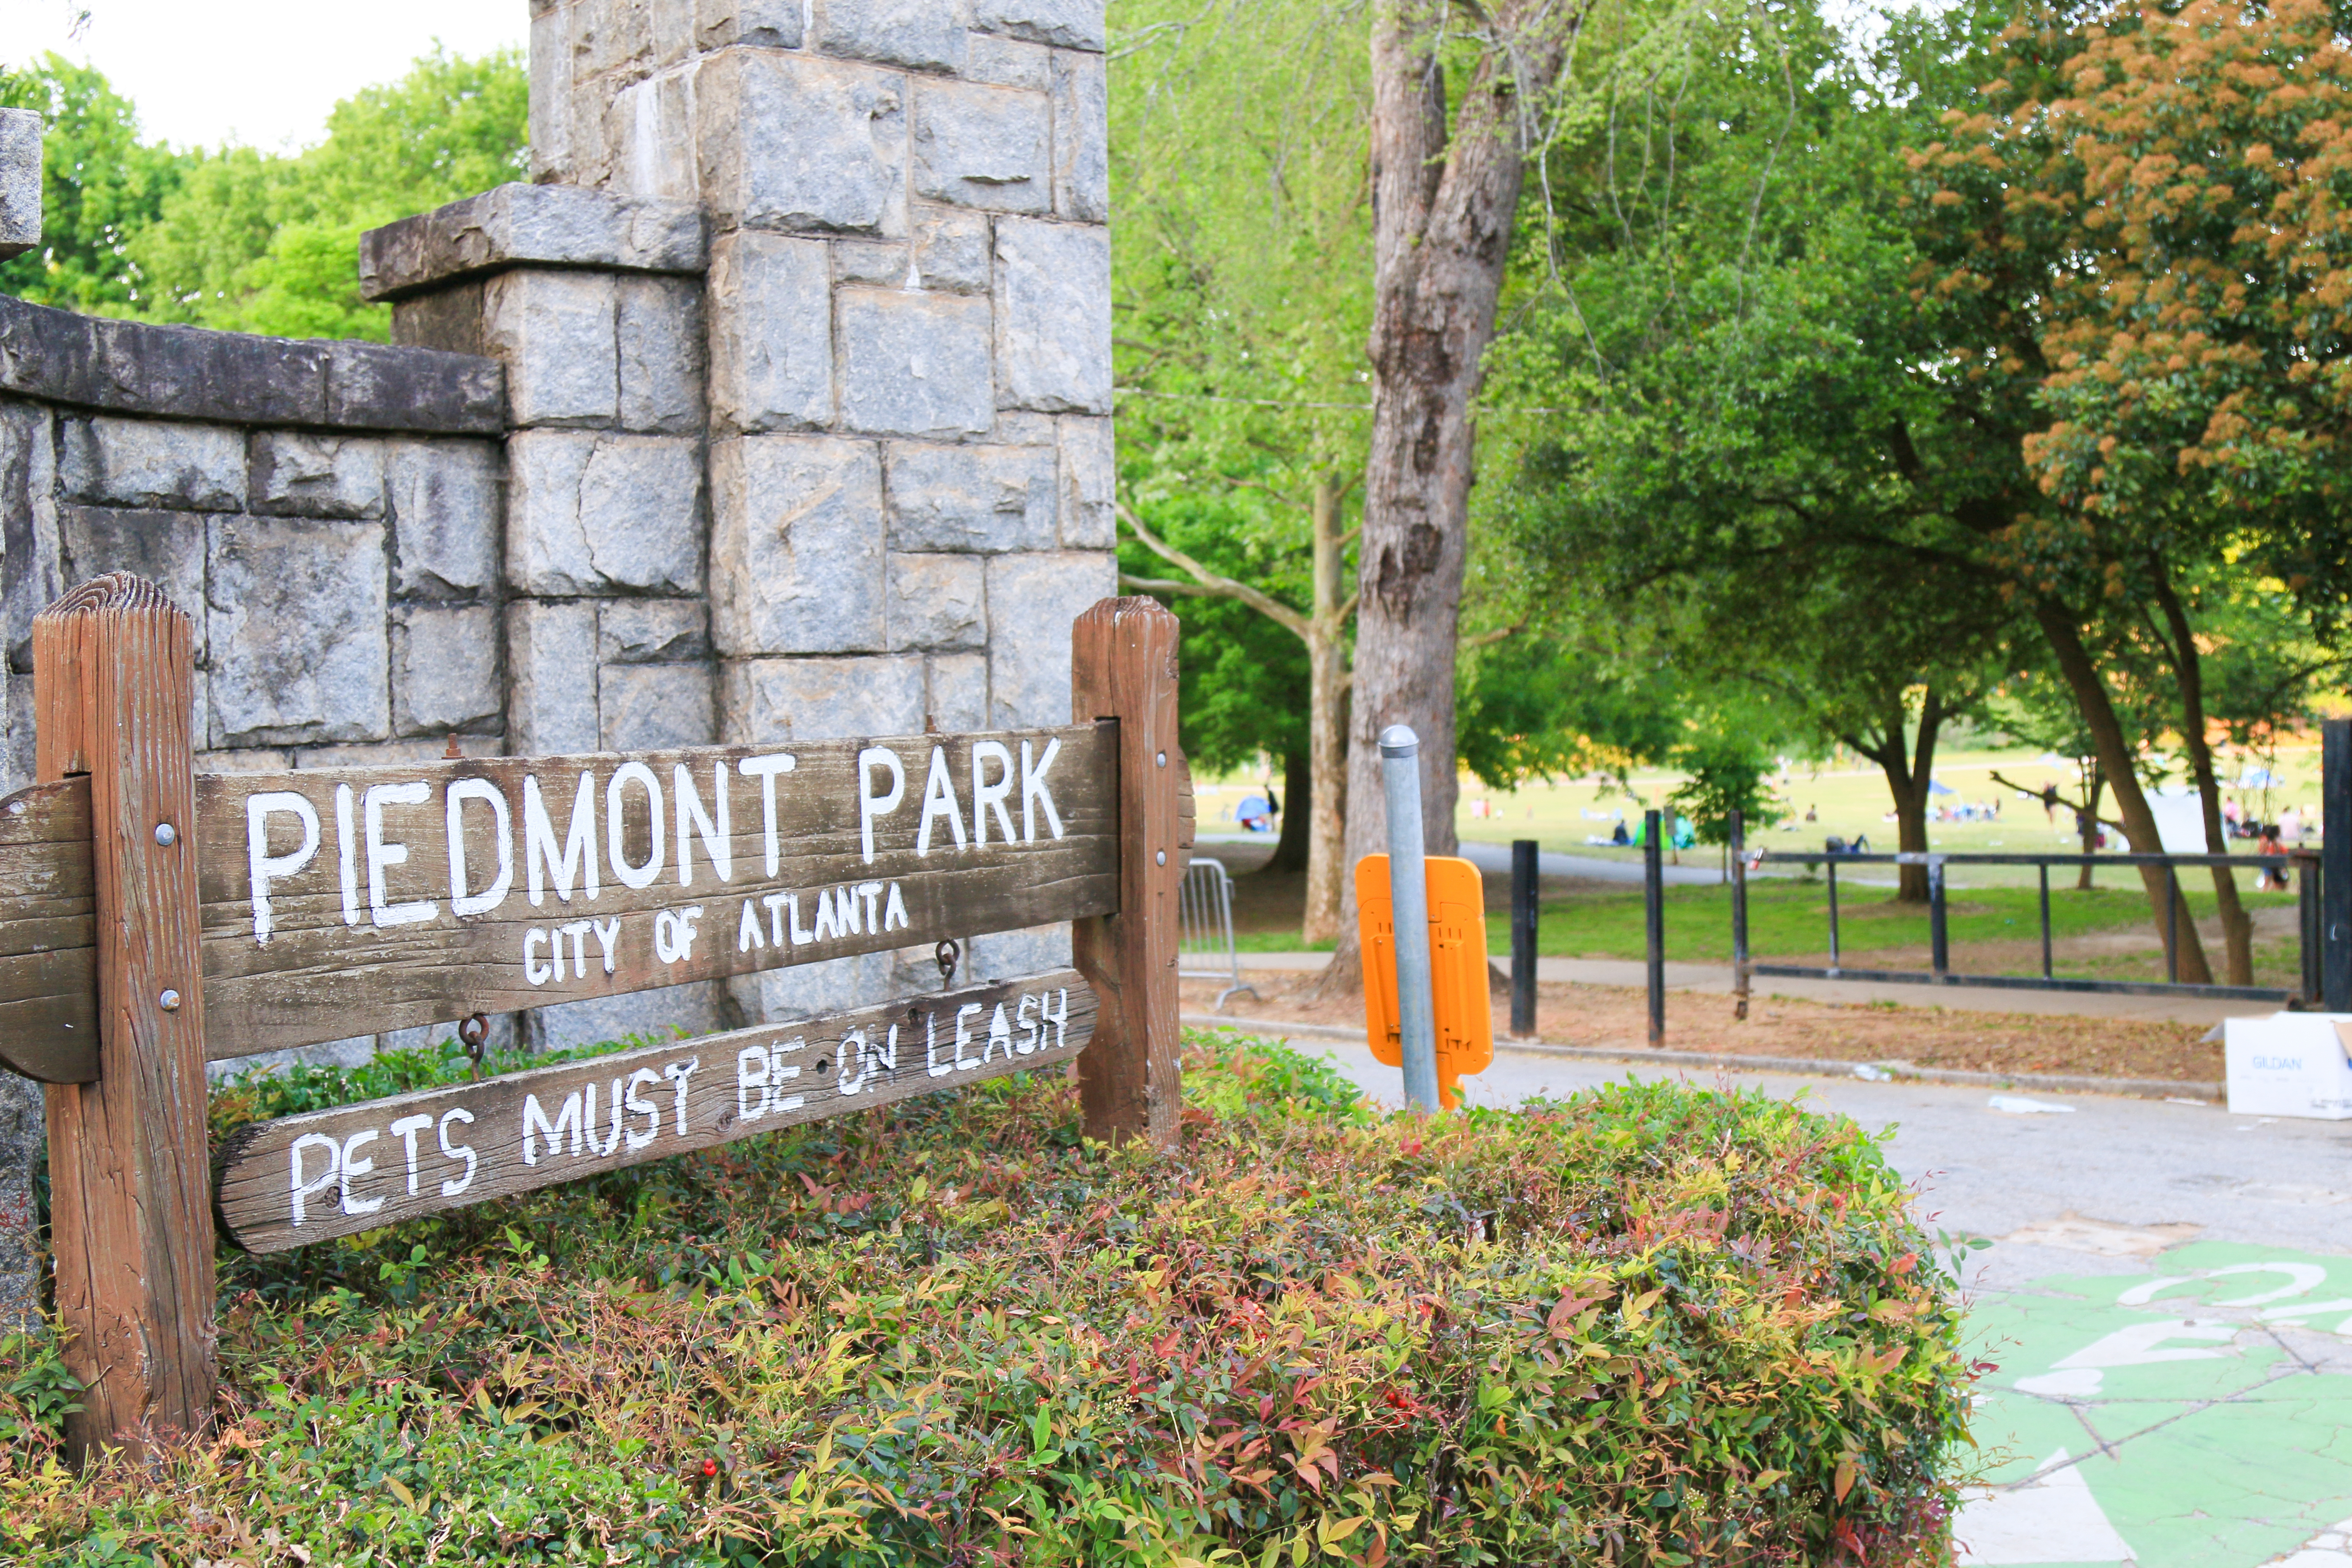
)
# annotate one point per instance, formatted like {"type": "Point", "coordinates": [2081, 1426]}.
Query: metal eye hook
{"type": "Point", "coordinates": [948, 954]}
{"type": "Point", "coordinates": [472, 1034]}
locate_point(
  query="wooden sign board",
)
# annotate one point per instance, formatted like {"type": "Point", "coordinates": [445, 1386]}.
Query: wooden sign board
{"type": "Point", "coordinates": [151, 919]}
{"type": "Point", "coordinates": [337, 900]}
{"type": "Point", "coordinates": [49, 934]}
{"type": "Point", "coordinates": [302, 1179]}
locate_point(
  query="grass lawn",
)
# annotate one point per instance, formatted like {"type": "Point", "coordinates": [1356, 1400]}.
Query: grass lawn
{"type": "Point", "coordinates": [1788, 918]}
{"type": "Point", "coordinates": [1993, 930]}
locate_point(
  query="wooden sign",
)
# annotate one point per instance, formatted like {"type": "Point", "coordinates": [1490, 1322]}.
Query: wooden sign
{"type": "Point", "coordinates": [151, 919]}
{"type": "Point", "coordinates": [309, 1178]}
{"type": "Point", "coordinates": [49, 934]}
{"type": "Point", "coordinates": [426, 893]}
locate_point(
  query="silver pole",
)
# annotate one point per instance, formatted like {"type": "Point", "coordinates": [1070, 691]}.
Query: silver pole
{"type": "Point", "coordinates": [1409, 902]}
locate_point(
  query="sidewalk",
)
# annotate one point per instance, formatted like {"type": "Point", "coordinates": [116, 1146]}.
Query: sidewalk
{"type": "Point", "coordinates": [1715, 980]}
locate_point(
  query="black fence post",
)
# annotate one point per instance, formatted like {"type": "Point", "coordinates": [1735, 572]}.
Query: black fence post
{"type": "Point", "coordinates": [1829, 870]}
{"type": "Point", "coordinates": [2045, 921]}
{"type": "Point", "coordinates": [1939, 930]}
{"type": "Point", "coordinates": [1525, 911]}
{"type": "Point", "coordinates": [2306, 897]}
{"type": "Point", "coordinates": [1654, 910]}
{"type": "Point", "coordinates": [2172, 925]}
{"type": "Point", "coordinates": [2335, 864]}
{"type": "Point", "coordinates": [1739, 836]}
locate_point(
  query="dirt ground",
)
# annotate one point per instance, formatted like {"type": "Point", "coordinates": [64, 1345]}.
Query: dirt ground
{"type": "Point", "coordinates": [1784, 1026]}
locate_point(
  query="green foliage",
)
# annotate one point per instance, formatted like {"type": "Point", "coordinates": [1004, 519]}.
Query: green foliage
{"type": "Point", "coordinates": [1724, 331]}
{"type": "Point", "coordinates": [259, 242]}
{"type": "Point", "coordinates": [1244, 677]}
{"type": "Point", "coordinates": [100, 186]}
{"type": "Point", "coordinates": [1648, 1324]}
{"type": "Point", "coordinates": [1533, 705]}
{"type": "Point", "coordinates": [1724, 775]}
{"type": "Point", "coordinates": [38, 1395]}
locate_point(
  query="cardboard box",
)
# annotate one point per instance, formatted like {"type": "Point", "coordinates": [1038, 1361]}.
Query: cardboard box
{"type": "Point", "coordinates": [2290, 1064]}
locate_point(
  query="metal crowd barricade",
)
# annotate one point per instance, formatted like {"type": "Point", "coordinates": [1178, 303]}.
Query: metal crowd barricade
{"type": "Point", "coordinates": [1939, 938]}
{"type": "Point", "coordinates": [1205, 945]}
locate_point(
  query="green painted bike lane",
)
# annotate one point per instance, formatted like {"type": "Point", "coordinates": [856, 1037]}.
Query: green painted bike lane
{"type": "Point", "coordinates": [2198, 1417]}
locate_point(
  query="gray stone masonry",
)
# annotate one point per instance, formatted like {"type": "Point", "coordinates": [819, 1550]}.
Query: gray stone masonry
{"type": "Point", "coordinates": [514, 226]}
{"type": "Point", "coordinates": [20, 207]}
{"type": "Point", "coordinates": [306, 557]}
{"type": "Point", "coordinates": [776, 407]}
{"type": "Point", "coordinates": [902, 413]}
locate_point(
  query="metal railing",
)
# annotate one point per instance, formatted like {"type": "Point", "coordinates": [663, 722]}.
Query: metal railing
{"type": "Point", "coordinates": [1204, 942]}
{"type": "Point", "coordinates": [1939, 947]}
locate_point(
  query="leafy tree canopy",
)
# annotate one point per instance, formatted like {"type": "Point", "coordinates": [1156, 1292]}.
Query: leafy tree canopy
{"type": "Point", "coordinates": [256, 242]}
{"type": "Point", "coordinates": [101, 185]}
{"type": "Point", "coordinates": [243, 240]}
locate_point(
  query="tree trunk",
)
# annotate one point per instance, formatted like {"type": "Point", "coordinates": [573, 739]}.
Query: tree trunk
{"type": "Point", "coordinates": [1908, 772]}
{"type": "Point", "coordinates": [1327, 701]}
{"type": "Point", "coordinates": [1441, 215]}
{"type": "Point", "coordinates": [1290, 849]}
{"type": "Point", "coordinates": [2115, 752]}
{"type": "Point", "coordinates": [2188, 674]}
{"type": "Point", "coordinates": [2090, 825]}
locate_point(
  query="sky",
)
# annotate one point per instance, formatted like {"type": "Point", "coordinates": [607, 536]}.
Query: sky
{"type": "Point", "coordinates": [263, 72]}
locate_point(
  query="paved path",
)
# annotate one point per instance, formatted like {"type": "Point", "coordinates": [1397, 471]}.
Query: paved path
{"type": "Point", "coordinates": [1715, 980]}
{"type": "Point", "coordinates": [1492, 860]}
{"type": "Point", "coordinates": [2168, 1292]}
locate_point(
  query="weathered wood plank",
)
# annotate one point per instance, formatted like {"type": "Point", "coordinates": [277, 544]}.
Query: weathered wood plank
{"type": "Point", "coordinates": [368, 929]}
{"type": "Point", "coordinates": [130, 1226]}
{"type": "Point", "coordinates": [49, 934]}
{"type": "Point", "coordinates": [308, 1178]}
{"type": "Point", "coordinates": [789, 855]}
{"type": "Point", "coordinates": [1123, 666]}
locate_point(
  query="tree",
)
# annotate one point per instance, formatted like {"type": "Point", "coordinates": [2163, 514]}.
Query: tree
{"type": "Point", "coordinates": [1445, 194]}
{"type": "Point", "coordinates": [1241, 261]}
{"type": "Point", "coordinates": [1717, 322]}
{"type": "Point", "coordinates": [2138, 248]}
{"type": "Point", "coordinates": [257, 242]}
{"type": "Point", "coordinates": [1244, 674]}
{"type": "Point", "coordinates": [100, 186]}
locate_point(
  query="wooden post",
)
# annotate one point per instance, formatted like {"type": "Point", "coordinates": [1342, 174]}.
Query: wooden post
{"type": "Point", "coordinates": [1123, 666]}
{"type": "Point", "coordinates": [131, 1213]}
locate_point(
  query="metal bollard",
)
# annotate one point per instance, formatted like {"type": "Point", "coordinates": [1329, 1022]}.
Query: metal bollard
{"type": "Point", "coordinates": [1738, 851]}
{"type": "Point", "coordinates": [2335, 864]}
{"type": "Point", "coordinates": [1525, 912]}
{"type": "Point", "coordinates": [1408, 901]}
{"type": "Point", "coordinates": [1653, 923]}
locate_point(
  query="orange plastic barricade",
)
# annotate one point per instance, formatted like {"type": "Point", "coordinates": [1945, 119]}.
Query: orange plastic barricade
{"type": "Point", "coordinates": [1457, 964]}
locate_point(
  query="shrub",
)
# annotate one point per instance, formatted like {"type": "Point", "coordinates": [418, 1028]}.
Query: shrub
{"type": "Point", "coordinates": [1644, 1325]}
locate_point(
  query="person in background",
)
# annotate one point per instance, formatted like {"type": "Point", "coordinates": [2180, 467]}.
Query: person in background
{"type": "Point", "coordinates": [2273, 876]}
{"type": "Point", "coordinates": [2290, 824]}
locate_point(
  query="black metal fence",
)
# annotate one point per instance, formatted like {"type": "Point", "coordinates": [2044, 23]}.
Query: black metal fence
{"type": "Point", "coordinates": [1940, 970]}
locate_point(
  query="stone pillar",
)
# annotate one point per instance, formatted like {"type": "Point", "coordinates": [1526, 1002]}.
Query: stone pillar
{"type": "Point", "coordinates": [594, 303]}
{"type": "Point", "coordinates": [908, 309]}
{"type": "Point", "coordinates": [26, 453]}
{"type": "Point", "coordinates": [20, 182]}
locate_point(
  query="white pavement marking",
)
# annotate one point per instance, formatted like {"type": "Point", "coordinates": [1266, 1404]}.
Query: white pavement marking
{"type": "Point", "coordinates": [2052, 1518]}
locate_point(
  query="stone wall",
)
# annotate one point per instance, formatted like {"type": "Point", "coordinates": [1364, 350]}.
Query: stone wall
{"type": "Point", "coordinates": [777, 407]}
{"type": "Point", "coordinates": [891, 352]}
